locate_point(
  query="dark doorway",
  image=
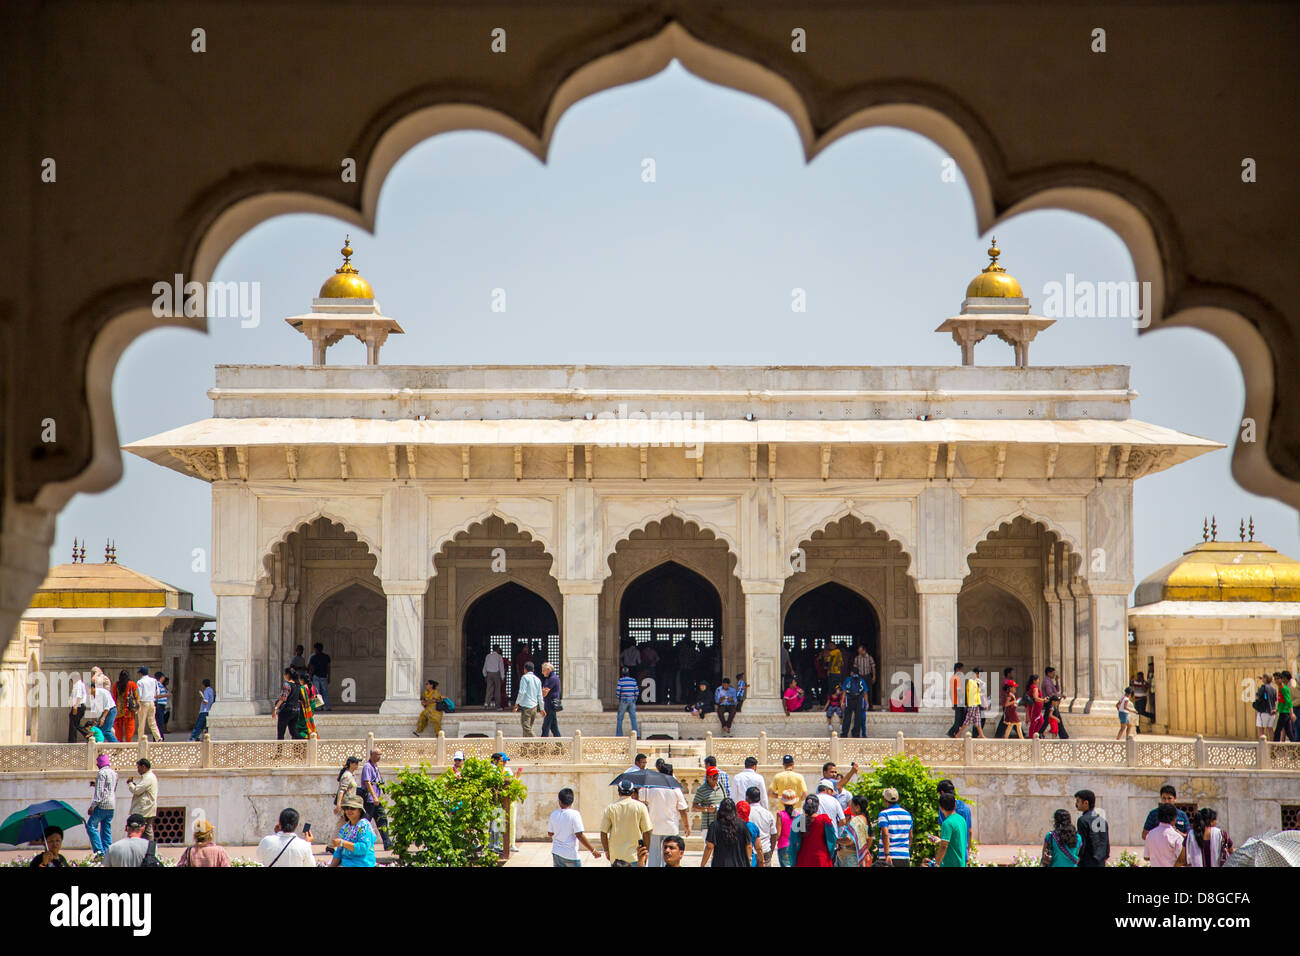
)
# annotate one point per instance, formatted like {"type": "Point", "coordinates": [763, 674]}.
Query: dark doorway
{"type": "Point", "coordinates": [521, 625]}
{"type": "Point", "coordinates": [826, 614]}
{"type": "Point", "coordinates": [670, 630]}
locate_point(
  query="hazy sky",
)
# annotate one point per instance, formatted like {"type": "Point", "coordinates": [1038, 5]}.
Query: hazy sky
{"type": "Point", "coordinates": [697, 267]}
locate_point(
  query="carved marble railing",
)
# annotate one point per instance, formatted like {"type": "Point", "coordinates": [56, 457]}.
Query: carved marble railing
{"type": "Point", "coordinates": [809, 753]}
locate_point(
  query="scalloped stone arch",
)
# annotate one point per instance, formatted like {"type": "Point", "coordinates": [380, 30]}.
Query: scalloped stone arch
{"type": "Point", "coordinates": [843, 511]}
{"type": "Point", "coordinates": [521, 527]}
{"type": "Point", "coordinates": [815, 579]}
{"type": "Point", "coordinates": [281, 535]}
{"type": "Point", "coordinates": [617, 537]}
{"type": "Point", "coordinates": [1049, 526]}
{"type": "Point", "coordinates": [1146, 227]}
{"type": "Point", "coordinates": [995, 582]}
{"type": "Point", "coordinates": [341, 586]}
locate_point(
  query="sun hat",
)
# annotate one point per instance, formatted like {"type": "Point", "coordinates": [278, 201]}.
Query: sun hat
{"type": "Point", "coordinates": [789, 796]}
{"type": "Point", "coordinates": [352, 802]}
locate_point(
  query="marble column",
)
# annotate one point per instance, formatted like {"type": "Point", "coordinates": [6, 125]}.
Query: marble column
{"type": "Point", "coordinates": [1109, 644]}
{"type": "Point", "coordinates": [938, 640]}
{"type": "Point", "coordinates": [404, 657]}
{"type": "Point", "coordinates": [580, 690]}
{"type": "Point", "coordinates": [763, 645]}
{"type": "Point", "coordinates": [242, 617]}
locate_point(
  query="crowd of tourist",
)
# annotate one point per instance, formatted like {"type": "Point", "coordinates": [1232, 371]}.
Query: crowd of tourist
{"type": "Point", "coordinates": [110, 711]}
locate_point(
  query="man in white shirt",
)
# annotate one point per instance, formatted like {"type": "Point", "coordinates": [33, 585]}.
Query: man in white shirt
{"type": "Point", "coordinates": [829, 804]}
{"type": "Point", "coordinates": [762, 818]}
{"type": "Point", "coordinates": [284, 847]}
{"type": "Point", "coordinates": [494, 672]}
{"type": "Point", "coordinates": [77, 701]}
{"type": "Point", "coordinates": [667, 807]}
{"type": "Point", "coordinates": [528, 699]}
{"type": "Point", "coordinates": [749, 777]}
{"type": "Point", "coordinates": [102, 710]}
{"type": "Point", "coordinates": [147, 695]}
{"type": "Point", "coordinates": [565, 828]}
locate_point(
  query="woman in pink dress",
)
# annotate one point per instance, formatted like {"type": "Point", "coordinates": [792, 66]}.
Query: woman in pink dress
{"type": "Point", "coordinates": [793, 697]}
{"type": "Point", "coordinates": [1034, 713]}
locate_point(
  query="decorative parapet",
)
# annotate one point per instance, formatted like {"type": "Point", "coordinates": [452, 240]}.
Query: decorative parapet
{"type": "Point", "coordinates": [811, 753]}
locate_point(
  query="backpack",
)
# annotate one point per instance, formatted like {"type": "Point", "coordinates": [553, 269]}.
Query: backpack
{"type": "Point", "coordinates": [1261, 700]}
{"type": "Point", "coordinates": [151, 855]}
{"type": "Point", "coordinates": [855, 686]}
{"type": "Point", "coordinates": [446, 705]}
{"type": "Point", "coordinates": [292, 705]}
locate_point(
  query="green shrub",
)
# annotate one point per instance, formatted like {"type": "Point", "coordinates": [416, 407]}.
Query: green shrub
{"type": "Point", "coordinates": [918, 794]}
{"type": "Point", "coordinates": [449, 820]}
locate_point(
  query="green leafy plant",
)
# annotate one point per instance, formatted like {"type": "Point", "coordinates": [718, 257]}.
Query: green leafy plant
{"type": "Point", "coordinates": [918, 794]}
{"type": "Point", "coordinates": [449, 820]}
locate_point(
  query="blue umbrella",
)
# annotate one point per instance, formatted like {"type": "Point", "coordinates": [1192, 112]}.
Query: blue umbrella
{"type": "Point", "coordinates": [28, 826]}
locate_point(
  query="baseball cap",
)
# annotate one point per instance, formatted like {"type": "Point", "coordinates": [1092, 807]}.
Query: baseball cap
{"type": "Point", "coordinates": [143, 670]}
{"type": "Point", "coordinates": [135, 820]}
{"type": "Point", "coordinates": [787, 759]}
{"type": "Point", "coordinates": [458, 755]}
{"type": "Point", "coordinates": [626, 786]}
{"type": "Point", "coordinates": [789, 796]}
{"type": "Point", "coordinates": [826, 782]}
{"type": "Point", "coordinates": [890, 795]}
{"type": "Point", "coordinates": [712, 772]}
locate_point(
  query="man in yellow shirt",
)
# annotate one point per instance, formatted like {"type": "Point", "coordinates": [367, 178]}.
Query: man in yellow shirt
{"type": "Point", "coordinates": [625, 823]}
{"type": "Point", "coordinates": [788, 779]}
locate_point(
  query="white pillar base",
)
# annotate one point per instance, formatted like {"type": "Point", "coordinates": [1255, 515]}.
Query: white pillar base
{"type": "Point", "coordinates": [760, 705]}
{"type": "Point", "coordinates": [582, 705]}
{"type": "Point", "coordinates": [401, 706]}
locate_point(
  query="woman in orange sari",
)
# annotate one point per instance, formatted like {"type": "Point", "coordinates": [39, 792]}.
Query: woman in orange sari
{"type": "Point", "coordinates": [127, 699]}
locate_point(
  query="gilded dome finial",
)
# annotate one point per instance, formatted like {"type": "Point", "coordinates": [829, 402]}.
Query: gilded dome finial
{"type": "Point", "coordinates": [994, 252]}
{"type": "Point", "coordinates": [1214, 528]}
{"type": "Point", "coordinates": [1252, 527]}
{"type": "Point", "coordinates": [347, 268]}
{"type": "Point", "coordinates": [1205, 529]}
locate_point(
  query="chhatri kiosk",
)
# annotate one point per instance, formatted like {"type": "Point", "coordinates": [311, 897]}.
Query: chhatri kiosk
{"type": "Point", "coordinates": [409, 517]}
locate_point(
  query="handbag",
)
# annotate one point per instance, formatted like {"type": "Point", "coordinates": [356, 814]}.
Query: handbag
{"type": "Point", "coordinates": [317, 701]}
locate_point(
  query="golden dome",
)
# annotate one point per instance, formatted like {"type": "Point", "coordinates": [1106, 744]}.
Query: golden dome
{"type": "Point", "coordinates": [1224, 571]}
{"type": "Point", "coordinates": [346, 282]}
{"type": "Point", "coordinates": [994, 282]}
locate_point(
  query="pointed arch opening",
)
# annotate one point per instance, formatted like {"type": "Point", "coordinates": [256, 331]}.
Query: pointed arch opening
{"type": "Point", "coordinates": [519, 625]}
{"type": "Point", "coordinates": [826, 619]}
{"type": "Point", "coordinates": [670, 628]}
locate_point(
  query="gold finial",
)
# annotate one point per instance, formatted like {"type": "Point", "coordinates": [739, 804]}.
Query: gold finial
{"type": "Point", "coordinates": [74, 550]}
{"type": "Point", "coordinates": [347, 268]}
{"type": "Point", "coordinates": [1242, 531]}
{"type": "Point", "coordinates": [994, 252]}
{"type": "Point", "coordinates": [82, 557]}
{"type": "Point", "coordinates": [1205, 530]}
{"type": "Point", "coordinates": [1214, 528]}
{"type": "Point", "coordinates": [1252, 527]}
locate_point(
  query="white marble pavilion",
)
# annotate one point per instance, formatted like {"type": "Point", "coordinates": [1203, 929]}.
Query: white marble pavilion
{"type": "Point", "coordinates": [410, 516]}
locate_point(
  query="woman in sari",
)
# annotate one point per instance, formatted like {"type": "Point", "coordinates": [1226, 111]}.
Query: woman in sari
{"type": "Point", "coordinates": [1062, 843]}
{"type": "Point", "coordinates": [305, 726]}
{"type": "Point", "coordinates": [793, 697]}
{"type": "Point", "coordinates": [1034, 709]}
{"type": "Point", "coordinates": [1207, 845]}
{"type": "Point", "coordinates": [125, 696]}
{"type": "Point", "coordinates": [813, 836]}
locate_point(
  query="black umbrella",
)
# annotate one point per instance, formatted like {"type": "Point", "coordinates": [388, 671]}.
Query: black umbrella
{"type": "Point", "coordinates": [648, 778]}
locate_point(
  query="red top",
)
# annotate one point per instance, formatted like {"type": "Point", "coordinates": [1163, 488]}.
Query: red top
{"type": "Point", "coordinates": [812, 850]}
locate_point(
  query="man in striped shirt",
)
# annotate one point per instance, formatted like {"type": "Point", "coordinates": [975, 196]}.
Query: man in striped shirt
{"type": "Point", "coordinates": [627, 690]}
{"type": "Point", "coordinates": [895, 825]}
